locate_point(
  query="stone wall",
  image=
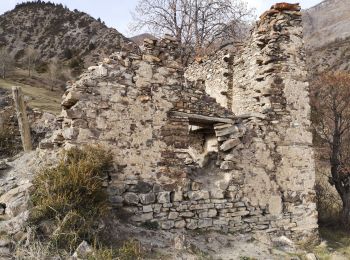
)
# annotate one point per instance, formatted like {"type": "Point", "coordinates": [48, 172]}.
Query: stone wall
{"type": "Point", "coordinates": [185, 161]}
{"type": "Point", "coordinates": [270, 78]}
{"type": "Point", "coordinates": [215, 71]}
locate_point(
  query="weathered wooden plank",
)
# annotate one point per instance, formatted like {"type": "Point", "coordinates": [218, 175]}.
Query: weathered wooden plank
{"type": "Point", "coordinates": [22, 117]}
{"type": "Point", "coordinates": [195, 118]}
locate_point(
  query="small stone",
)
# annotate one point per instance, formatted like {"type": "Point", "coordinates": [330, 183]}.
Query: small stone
{"type": "Point", "coordinates": [151, 58]}
{"type": "Point", "coordinates": [167, 224]}
{"type": "Point", "coordinates": [70, 133]}
{"type": "Point", "coordinates": [229, 144]}
{"type": "Point", "coordinates": [238, 204]}
{"type": "Point", "coordinates": [187, 214]}
{"type": "Point", "coordinates": [192, 224]}
{"type": "Point", "coordinates": [240, 213]}
{"type": "Point", "coordinates": [117, 199]}
{"type": "Point", "coordinates": [176, 196]}
{"type": "Point", "coordinates": [227, 165]}
{"type": "Point", "coordinates": [212, 213]}
{"type": "Point", "coordinates": [70, 99]}
{"type": "Point", "coordinates": [179, 242]}
{"type": "Point", "coordinates": [217, 194]}
{"type": "Point", "coordinates": [4, 242]}
{"type": "Point", "coordinates": [131, 198]}
{"type": "Point", "coordinates": [142, 217]}
{"type": "Point", "coordinates": [226, 131]}
{"type": "Point", "coordinates": [143, 187]}
{"type": "Point", "coordinates": [82, 251]}
{"type": "Point", "coordinates": [198, 195]}
{"type": "Point", "coordinates": [173, 215]}
{"type": "Point", "coordinates": [163, 197]}
{"type": "Point", "coordinates": [202, 223]}
{"type": "Point", "coordinates": [311, 256]}
{"type": "Point", "coordinates": [144, 99]}
{"type": "Point", "coordinates": [147, 208]}
{"type": "Point", "coordinates": [180, 224]}
{"type": "Point", "coordinates": [148, 198]}
{"type": "Point", "coordinates": [3, 165]}
{"type": "Point", "coordinates": [195, 186]}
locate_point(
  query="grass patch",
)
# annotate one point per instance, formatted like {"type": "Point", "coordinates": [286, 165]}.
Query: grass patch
{"type": "Point", "coordinates": [335, 240]}
{"type": "Point", "coordinates": [70, 200]}
{"type": "Point", "coordinates": [40, 98]}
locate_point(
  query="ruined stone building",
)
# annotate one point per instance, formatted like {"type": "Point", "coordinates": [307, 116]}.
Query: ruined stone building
{"type": "Point", "coordinates": [228, 147]}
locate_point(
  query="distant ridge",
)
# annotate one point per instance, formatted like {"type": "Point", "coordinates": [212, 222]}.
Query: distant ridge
{"type": "Point", "coordinates": [55, 31]}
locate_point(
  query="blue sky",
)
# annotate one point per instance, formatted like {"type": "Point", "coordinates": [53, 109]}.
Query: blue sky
{"type": "Point", "coordinates": [116, 13]}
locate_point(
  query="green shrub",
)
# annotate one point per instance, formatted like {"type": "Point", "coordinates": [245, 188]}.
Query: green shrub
{"type": "Point", "coordinates": [151, 225]}
{"type": "Point", "coordinates": [71, 196]}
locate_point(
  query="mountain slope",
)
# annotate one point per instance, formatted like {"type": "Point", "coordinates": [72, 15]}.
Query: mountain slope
{"type": "Point", "coordinates": [326, 22]}
{"type": "Point", "coordinates": [327, 36]}
{"type": "Point", "coordinates": [55, 31]}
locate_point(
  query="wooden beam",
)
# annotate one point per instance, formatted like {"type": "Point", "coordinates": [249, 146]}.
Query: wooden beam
{"type": "Point", "coordinates": [22, 117]}
{"type": "Point", "coordinates": [200, 119]}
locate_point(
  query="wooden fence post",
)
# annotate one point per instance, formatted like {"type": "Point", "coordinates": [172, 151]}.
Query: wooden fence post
{"type": "Point", "coordinates": [22, 117]}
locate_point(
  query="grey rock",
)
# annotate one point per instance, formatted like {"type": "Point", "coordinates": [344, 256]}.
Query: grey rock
{"type": "Point", "coordinates": [148, 198]}
{"type": "Point", "coordinates": [176, 196]}
{"type": "Point", "coordinates": [173, 215]}
{"type": "Point", "coordinates": [131, 198]}
{"type": "Point", "coordinates": [203, 223]}
{"type": "Point", "coordinates": [167, 224]}
{"type": "Point", "coordinates": [163, 197]}
{"type": "Point", "coordinates": [3, 165]}
{"type": "Point", "coordinates": [198, 195]}
{"type": "Point", "coordinates": [227, 165]}
{"type": "Point", "coordinates": [82, 251]}
{"type": "Point", "coordinates": [229, 144]}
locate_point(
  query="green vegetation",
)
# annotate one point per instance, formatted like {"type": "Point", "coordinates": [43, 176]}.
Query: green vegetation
{"type": "Point", "coordinates": [71, 198]}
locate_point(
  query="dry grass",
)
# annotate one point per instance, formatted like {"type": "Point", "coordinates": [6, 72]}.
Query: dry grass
{"type": "Point", "coordinates": [336, 242]}
{"type": "Point", "coordinates": [40, 98]}
{"type": "Point", "coordinates": [71, 198]}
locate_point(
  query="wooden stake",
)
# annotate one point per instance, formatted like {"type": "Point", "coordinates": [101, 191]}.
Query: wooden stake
{"type": "Point", "coordinates": [22, 117]}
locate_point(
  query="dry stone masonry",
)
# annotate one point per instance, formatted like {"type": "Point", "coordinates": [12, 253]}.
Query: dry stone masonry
{"type": "Point", "coordinates": [231, 154]}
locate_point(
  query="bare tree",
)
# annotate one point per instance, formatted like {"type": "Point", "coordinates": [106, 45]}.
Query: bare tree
{"type": "Point", "coordinates": [6, 62]}
{"type": "Point", "coordinates": [31, 58]}
{"type": "Point", "coordinates": [197, 24]}
{"type": "Point", "coordinates": [331, 120]}
{"type": "Point", "coordinates": [54, 71]}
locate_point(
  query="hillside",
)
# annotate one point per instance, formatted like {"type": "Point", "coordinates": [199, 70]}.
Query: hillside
{"type": "Point", "coordinates": [326, 22]}
{"type": "Point", "coordinates": [332, 56]}
{"type": "Point", "coordinates": [327, 36]}
{"type": "Point", "coordinates": [55, 31]}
